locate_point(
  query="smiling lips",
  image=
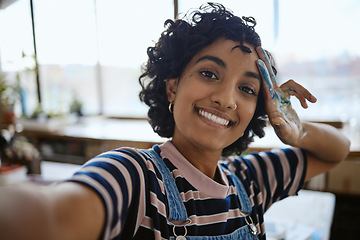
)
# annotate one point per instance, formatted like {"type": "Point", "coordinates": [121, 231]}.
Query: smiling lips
{"type": "Point", "coordinates": [214, 118]}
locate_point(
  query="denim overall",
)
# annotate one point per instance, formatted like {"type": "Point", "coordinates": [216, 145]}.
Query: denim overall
{"type": "Point", "coordinates": [177, 215]}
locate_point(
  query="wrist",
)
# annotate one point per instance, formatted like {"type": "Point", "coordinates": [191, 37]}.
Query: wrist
{"type": "Point", "coordinates": [323, 141]}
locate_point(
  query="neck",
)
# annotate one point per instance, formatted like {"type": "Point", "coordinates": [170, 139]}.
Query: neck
{"type": "Point", "coordinates": [204, 160]}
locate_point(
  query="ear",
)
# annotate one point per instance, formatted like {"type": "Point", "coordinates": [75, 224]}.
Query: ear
{"type": "Point", "coordinates": [171, 88]}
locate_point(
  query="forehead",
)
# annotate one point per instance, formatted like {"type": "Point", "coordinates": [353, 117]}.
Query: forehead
{"type": "Point", "coordinates": [229, 51]}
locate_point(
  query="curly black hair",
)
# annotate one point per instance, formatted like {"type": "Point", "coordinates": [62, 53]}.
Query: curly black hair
{"type": "Point", "coordinates": [177, 45]}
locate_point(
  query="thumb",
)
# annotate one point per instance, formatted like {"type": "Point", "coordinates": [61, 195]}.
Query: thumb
{"type": "Point", "coordinates": [278, 123]}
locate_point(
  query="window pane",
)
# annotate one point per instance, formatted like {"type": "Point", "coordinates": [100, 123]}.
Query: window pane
{"type": "Point", "coordinates": [17, 53]}
{"type": "Point", "coordinates": [125, 32]}
{"type": "Point", "coordinates": [318, 46]}
{"type": "Point", "coordinates": [66, 45]}
{"type": "Point", "coordinates": [261, 10]}
{"type": "Point", "coordinates": [315, 43]}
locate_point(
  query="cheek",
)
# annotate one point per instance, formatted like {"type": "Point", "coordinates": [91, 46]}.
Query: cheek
{"type": "Point", "coordinates": [248, 112]}
{"type": "Point", "coordinates": [189, 91]}
{"type": "Point", "coordinates": [183, 104]}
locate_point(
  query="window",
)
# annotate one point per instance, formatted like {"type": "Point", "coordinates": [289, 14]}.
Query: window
{"type": "Point", "coordinates": [314, 43]}
{"type": "Point", "coordinates": [125, 32]}
{"type": "Point", "coordinates": [92, 51]}
{"type": "Point", "coordinates": [88, 51]}
{"type": "Point", "coordinates": [66, 49]}
{"type": "Point", "coordinates": [17, 51]}
{"type": "Point", "coordinates": [317, 45]}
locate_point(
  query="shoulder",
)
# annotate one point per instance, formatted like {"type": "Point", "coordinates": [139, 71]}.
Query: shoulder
{"type": "Point", "coordinates": [131, 159]}
{"type": "Point", "coordinates": [122, 177]}
{"type": "Point", "coordinates": [270, 167]}
{"type": "Point", "coordinates": [123, 168]}
{"type": "Point", "coordinates": [291, 155]}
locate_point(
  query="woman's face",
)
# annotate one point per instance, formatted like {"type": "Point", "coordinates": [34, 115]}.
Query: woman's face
{"type": "Point", "coordinates": [215, 97]}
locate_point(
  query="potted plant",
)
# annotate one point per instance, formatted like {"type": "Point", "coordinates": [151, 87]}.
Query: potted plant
{"type": "Point", "coordinates": [8, 97]}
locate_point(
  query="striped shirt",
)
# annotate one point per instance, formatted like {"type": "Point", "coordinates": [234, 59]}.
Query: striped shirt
{"type": "Point", "coordinates": [133, 193]}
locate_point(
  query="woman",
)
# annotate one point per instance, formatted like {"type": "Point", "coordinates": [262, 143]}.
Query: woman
{"type": "Point", "coordinates": [209, 85]}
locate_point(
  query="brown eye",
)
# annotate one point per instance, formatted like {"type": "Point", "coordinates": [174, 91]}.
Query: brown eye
{"type": "Point", "coordinates": [247, 90]}
{"type": "Point", "coordinates": [208, 74]}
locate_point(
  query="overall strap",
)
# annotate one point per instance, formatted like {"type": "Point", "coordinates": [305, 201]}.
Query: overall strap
{"type": "Point", "coordinates": [177, 209]}
{"type": "Point", "coordinates": [243, 197]}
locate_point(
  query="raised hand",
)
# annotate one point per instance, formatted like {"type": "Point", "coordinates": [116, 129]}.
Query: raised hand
{"type": "Point", "coordinates": [282, 116]}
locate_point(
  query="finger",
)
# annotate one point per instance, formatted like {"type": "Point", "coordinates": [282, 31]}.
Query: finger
{"type": "Point", "coordinates": [278, 123]}
{"type": "Point", "coordinates": [295, 88]}
{"type": "Point", "coordinates": [271, 97]}
{"type": "Point", "coordinates": [286, 93]}
{"type": "Point", "coordinates": [302, 100]}
{"type": "Point", "coordinates": [264, 57]}
{"type": "Point", "coordinates": [302, 94]}
{"type": "Point", "coordinates": [269, 90]}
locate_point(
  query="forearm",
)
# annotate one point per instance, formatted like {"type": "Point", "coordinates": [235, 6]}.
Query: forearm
{"type": "Point", "coordinates": [324, 142]}
{"type": "Point", "coordinates": [64, 211]}
{"type": "Point", "coordinates": [24, 213]}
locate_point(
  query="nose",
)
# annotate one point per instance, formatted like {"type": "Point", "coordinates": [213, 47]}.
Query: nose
{"type": "Point", "coordinates": [224, 96]}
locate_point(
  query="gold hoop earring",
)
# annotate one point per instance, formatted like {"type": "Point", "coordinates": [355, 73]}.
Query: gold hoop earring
{"type": "Point", "coordinates": [171, 107]}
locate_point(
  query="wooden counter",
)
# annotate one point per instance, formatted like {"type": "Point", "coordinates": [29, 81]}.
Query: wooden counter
{"type": "Point", "coordinates": [81, 140]}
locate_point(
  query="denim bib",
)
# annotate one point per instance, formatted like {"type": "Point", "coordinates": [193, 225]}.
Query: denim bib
{"type": "Point", "coordinates": [177, 216]}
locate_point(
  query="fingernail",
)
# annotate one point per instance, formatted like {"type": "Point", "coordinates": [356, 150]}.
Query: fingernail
{"type": "Point", "coordinates": [276, 122]}
{"type": "Point", "coordinates": [267, 59]}
{"type": "Point", "coordinates": [313, 98]}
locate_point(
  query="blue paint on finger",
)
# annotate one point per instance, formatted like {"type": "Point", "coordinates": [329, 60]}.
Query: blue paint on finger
{"type": "Point", "coordinates": [270, 69]}
{"type": "Point", "coordinates": [290, 90]}
{"type": "Point", "coordinates": [265, 73]}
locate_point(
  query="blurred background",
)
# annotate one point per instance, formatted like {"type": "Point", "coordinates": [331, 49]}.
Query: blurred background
{"type": "Point", "coordinates": [91, 51]}
{"type": "Point", "coordinates": [63, 62]}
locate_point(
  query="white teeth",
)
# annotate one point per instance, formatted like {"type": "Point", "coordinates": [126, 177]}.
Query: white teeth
{"type": "Point", "coordinates": [214, 118]}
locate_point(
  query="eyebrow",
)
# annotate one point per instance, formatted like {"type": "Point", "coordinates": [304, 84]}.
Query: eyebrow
{"type": "Point", "coordinates": [253, 75]}
{"type": "Point", "coordinates": [214, 59]}
{"type": "Point", "coordinates": [221, 63]}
